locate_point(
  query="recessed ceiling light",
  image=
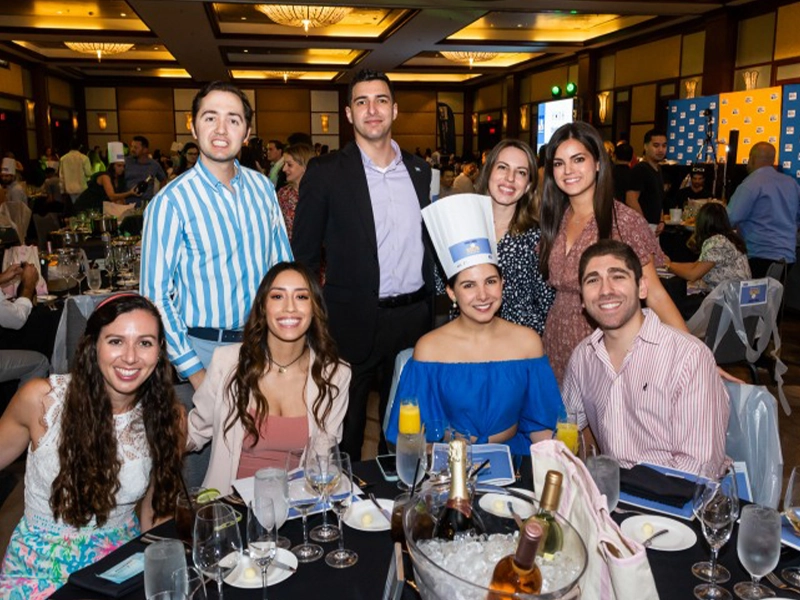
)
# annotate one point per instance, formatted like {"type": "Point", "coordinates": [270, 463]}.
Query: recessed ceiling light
{"type": "Point", "coordinates": [138, 68]}
{"type": "Point", "coordinates": [155, 47]}
{"type": "Point", "coordinates": [58, 12]}
{"type": "Point", "coordinates": [123, 14]}
{"type": "Point", "coordinates": [245, 50]}
{"type": "Point", "coordinates": [244, 18]}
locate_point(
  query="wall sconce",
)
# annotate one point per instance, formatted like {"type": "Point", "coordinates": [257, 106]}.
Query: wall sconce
{"type": "Point", "coordinates": [504, 120]}
{"type": "Point", "coordinates": [324, 120]}
{"type": "Point", "coordinates": [29, 106]}
{"type": "Point", "coordinates": [523, 118]}
{"type": "Point", "coordinates": [74, 123]}
{"type": "Point", "coordinates": [474, 123]}
{"type": "Point", "coordinates": [750, 79]}
{"type": "Point", "coordinates": [188, 119]}
{"type": "Point", "coordinates": [602, 105]}
{"type": "Point", "coordinates": [691, 87]}
{"type": "Point", "coordinates": [102, 121]}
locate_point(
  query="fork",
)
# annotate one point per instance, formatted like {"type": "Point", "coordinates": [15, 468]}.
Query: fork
{"type": "Point", "coordinates": [778, 583]}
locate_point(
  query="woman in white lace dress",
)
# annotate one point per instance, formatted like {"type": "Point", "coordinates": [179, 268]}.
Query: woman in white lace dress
{"type": "Point", "coordinates": [92, 437]}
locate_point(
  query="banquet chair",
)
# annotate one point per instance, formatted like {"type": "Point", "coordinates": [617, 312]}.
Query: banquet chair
{"type": "Point", "coordinates": [753, 438]}
{"type": "Point", "coordinates": [778, 270]}
{"type": "Point", "coordinates": [44, 224]}
{"type": "Point", "coordinates": [399, 363]}
{"type": "Point", "coordinates": [21, 216]}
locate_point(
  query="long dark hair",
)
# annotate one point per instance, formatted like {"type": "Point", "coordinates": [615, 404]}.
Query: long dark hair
{"type": "Point", "coordinates": [555, 202]}
{"type": "Point", "coordinates": [183, 163]}
{"type": "Point", "coordinates": [712, 219]}
{"type": "Point", "coordinates": [255, 357]}
{"type": "Point", "coordinates": [526, 213]}
{"type": "Point", "coordinates": [88, 478]}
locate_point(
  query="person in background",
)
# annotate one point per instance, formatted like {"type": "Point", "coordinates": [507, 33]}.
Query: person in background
{"type": "Point", "coordinates": [275, 158]}
{"type": "Point", "coordinates": [108, 186]}
{"type": "Point", "coordinates": [189, 156]}
{"type": "Point", "coordinates": [621, 173]}
{"type": "Point", "coordinates": [646, 194]}
{"type": "Point", "coordinates": [52, 188]}
{"type": "Point", "coordinates": [15, 191]}
{"type": "Point", "coordinates": [765, 208]}
{"type": "Point", "coordinates": [74, 170]}
{"type": "Point", "coordinates": [277, 388]}
{"type": "Point", "coordinates": [465, 182]}
{"type": "Point", "coordinates": [647, 392]}
{"type": "Point", "coordinates": [100, 441]}
{"type": "Point", "coordinates": [295, 161]}
{"type": "Point", "coordinates": [140, 167]}
{"type": "Point", "coordinates": [446, 179]}
{"type": "Point", "coordinates": [696, 190]}
{"type": "Point", "coordinates": [253, 155]}
{"type": "Point", "coordinates": [98, 166]}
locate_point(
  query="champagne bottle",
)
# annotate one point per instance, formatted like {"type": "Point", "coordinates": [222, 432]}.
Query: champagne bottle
{"type": "Point", "coordinates": [553, 536]}
{"type": "Point", "coordinates": [457, 518]}
{"type": "Point", "coordinates": [518, 573]}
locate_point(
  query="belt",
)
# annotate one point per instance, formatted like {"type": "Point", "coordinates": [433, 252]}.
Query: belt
{"type": "Point", "coordinates": [402, 299]}
{"type": "Point", "coordinates": [216, 335]}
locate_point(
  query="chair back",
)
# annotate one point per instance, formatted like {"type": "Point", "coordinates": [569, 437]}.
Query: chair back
{"type": "Point", "coordinates": [21, 216]}
{"type": "Point", "coordinates": [44, 224]}
{"type": "Point", "coordinates": [753, 438]}
{"type": "Point", "coordinates": [399, 363]}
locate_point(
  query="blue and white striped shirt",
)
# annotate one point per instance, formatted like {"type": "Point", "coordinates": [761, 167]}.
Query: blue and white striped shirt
{"type": "Point", "coordinates": [205, 250]}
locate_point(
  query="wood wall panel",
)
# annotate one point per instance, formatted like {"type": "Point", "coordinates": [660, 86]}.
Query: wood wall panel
{"type": "Point", "coordinates": [421, 123]}
{"type": "Point", "coordinates": [787, 42]}
{"type": "Point", "coordinates": [279, 125]}
{"type": "Point", "coordinates": [649, 62]}
{"type": "Point", "coordinates": [756, 40]}
{"type": "Point", "coordinates": [408, 102]}
{"type": "Point", "coordinates": [60, 92]}
{"type": "Point", "coordinates": [155, 99]}
{"type": "Point", "coordinates": [643, 103]}
{"type": "Point", "coordinates": [277, 100]}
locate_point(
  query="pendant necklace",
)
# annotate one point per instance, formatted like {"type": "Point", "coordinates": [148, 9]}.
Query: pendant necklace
{"type": "Point", "coordinates": [283, 368]}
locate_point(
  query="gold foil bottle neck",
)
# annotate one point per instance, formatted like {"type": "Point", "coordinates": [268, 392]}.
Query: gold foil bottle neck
{"type": "Point", "coordinates": [551, 494]}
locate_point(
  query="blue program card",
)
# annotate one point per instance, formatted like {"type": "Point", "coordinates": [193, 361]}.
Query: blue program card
{"type": "Point", "coordinates": [122, 571]}
{"type": "Point", "coordinates": [500, 470]}
{"type": "Point", "coordinates": [753, 292]}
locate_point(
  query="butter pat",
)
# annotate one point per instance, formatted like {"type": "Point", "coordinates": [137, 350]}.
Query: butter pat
{"type": "Point", "coordinates": [250, 573]}
{"type": "Point", "coordinates": [499, 506]}
{"type": "Point", "coordinates": [366, 519]}
{"type": "Point", "coordinates": [647, 530]}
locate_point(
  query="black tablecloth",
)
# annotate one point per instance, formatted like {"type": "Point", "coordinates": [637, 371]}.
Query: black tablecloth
{"type": "Point", "coordinates": [672, 570]}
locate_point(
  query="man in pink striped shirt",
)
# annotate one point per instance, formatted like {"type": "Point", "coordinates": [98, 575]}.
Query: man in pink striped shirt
{"type": "Point", "coordinates": [648, 392]}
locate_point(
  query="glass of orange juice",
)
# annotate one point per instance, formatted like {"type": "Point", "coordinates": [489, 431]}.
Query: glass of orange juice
{"type": "Point", "coordinates": [408, 418]}
{"type": "Point", "coordinates": [567, 432]}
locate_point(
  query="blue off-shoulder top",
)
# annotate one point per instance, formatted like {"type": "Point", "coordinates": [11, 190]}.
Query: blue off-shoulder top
{"type": "Point", "coordinates": [482, 398]}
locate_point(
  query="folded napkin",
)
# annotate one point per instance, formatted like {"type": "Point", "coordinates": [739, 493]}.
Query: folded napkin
{"type": "Point", "coordinates": [88, 579]}
{"type": "Point", "coordinates": [647, 483]}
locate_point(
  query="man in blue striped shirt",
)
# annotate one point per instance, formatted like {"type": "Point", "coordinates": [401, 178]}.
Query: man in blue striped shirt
{"type": "Point", "coordinates": [210, 236]}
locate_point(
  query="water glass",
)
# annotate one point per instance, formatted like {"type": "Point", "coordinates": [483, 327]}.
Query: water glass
{"type": "Point", "coordinates": [411, 449]}
{"type": "Point", "coordinates": [161, 560]}
{"type": "Point", "coordinates": [302, 499]}
{"type": "Point", "coordinates": [791, 508]}
{"type": "Point", "coordinates": [274, 483]}
{"type": "Point", "coordinates": [262, 536]}
{"type": "Point", "coordinates": [605, 472]}
{"type": "Point", "coordinates": [189, 583]}
{"type": "Point", "coordinates": [341, 499]}
{"type": "Point", "coordinates": [759, 548]}
{"type": "Point", "coordinates": [94, 279]}
{"type": "Point", "coordinates": [217, 544]}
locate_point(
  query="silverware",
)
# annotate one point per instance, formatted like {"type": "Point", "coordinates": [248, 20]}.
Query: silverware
{"type": "Point", "coordinates": [473, 474]}
{"type": "Point", "coordinates": [517, 518]}
{"type": "Point", "coordinates": [778, 583]}
{"type": "Point", "coordinates": [382, 510]}
{"type": "Point", "coordinates": [627, 511]}
{"type": "Point", "coordinates": [284, 566]}
{"type": "Point", "coordinates": [649, 541]}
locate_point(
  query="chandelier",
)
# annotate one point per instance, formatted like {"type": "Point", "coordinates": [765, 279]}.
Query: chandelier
{"type": "Point", "coordinates": [285, 75]}
{"type": "Point", "coordinates": [469, 57]}
{"type": "Point", "coordinates": [304, 16]}
{"type": "Point", "coordinates": [98, 48]}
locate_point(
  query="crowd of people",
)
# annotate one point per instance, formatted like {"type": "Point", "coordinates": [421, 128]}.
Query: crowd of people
{"type": "Point", "coordinates": [280, 281]}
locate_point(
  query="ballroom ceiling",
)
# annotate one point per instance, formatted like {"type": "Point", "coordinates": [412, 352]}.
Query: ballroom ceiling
{"type": "Point", "coordinates": [183, 39]}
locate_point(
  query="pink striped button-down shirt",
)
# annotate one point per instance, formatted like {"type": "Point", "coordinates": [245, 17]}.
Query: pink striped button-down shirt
{"type": "Point", "coordinates": [667, 404]}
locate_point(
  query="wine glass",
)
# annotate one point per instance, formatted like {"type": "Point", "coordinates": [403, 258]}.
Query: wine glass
{"type": "Point", "coordinates": [274, 483]}
{"type": "Point", "coordinates": [94, 279]}
{"type": "Point", "coordinates": [111, 264]}
{"type": "Point", "coordinates": [217, 544]}
{"type": "Point", "coordinates": [791, 508]}
{"type": "Point", "coordinates": [703, 569]}
{"type": "Point", "coordinates": [262, 536]}
{"type": "Point", "coordinates": [322, 471]}
{"type": "Point", "coordinates": [719, 509]}
{"type": "Point", "coordinates": [411, 449]}
{"type": "Point", "coordinates": [435, 433]}
{"type": "Point", "coordinates": [341, 499]}
{"type": "Point", "coordinates": [759, 548]}
{"type": "Point", "coordinates": [302, 500]}
{"type": "Point", "coordinates": [189, 583]}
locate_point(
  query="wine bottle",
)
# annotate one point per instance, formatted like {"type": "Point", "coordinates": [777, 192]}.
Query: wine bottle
{"type": "Point", "coordinates": [457, 518]}
{"type": "Point", "coordinates": [553, 536]}
{"type": "Point", "coordinates": [518, 573]}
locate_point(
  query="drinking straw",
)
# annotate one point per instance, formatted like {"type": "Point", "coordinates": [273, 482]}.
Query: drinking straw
{"type": "Point", "coordinates": [416, 474]}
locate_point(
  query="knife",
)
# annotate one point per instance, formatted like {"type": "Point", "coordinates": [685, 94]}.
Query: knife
{"type": "Point", "coordinates": [382, 510]}
{"type": "Point", "coordinates": [284, 566]}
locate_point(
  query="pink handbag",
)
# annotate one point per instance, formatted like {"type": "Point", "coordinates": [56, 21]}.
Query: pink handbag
{"type": "Point", "coordinates": [617, 567]}
{"type": "Point", "coordinates": [20, 254]}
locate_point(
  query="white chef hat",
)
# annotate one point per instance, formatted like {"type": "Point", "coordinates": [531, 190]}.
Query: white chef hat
{"type": "Point", "coordinates": [461, 228]}
{"type": "Point", "coordinates": [116, 152]}
{"type": "Point", "coordinates": [9, 166]}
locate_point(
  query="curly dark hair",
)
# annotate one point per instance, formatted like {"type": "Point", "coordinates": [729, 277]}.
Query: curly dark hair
{"type": "Point", "coordinates": [526, 213]}
{"type": "Point", "coordinates": [255, 357]}
{"type": "Point", "coordinates": [88, 478]}
{"type": "Point", "coordinates": [555, 202]}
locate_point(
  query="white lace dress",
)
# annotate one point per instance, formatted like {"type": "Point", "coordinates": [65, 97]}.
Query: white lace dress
{"type": "Point", "coordinates": [43, 552]}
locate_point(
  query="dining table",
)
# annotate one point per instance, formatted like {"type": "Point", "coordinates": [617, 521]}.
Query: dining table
{"type": "Point", "coordinates": [367, 579]}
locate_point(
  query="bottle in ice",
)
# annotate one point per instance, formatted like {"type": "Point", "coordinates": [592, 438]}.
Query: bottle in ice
{"type": "Point", "coordinates": [553, 536]}
{"type": "Point", "coordinates": [517, 573]}
{"type": "Point", "coordinates": [457, 518]}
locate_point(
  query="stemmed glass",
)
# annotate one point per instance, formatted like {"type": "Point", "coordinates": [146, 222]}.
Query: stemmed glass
{"type": "Point", "coordinates": [302, 500]}
{"type": "Point", "coordinates": [274, 483]}
{"type": "Point", "coordinates": [791, 508]}
{"type": "Point", "coordinates": [188, 583]}
{"type": "Point", "coordinates": [703, 569]}
{"type": "Point", "coordinates": [341, 499]}
{"type": "Point", "coordinates": [718, 511]}
{"type": "Point", "coordinates": [321, 468]}
{"type": "Point", "coordinates": [111, 264]}
{"type": "Point", "coordinates": [759, 548]}
{"type": "Point", "coordinates": [94, 279]}
{"type": "Point", "coordinates": [411, 446]}
{"type": "Point", "coordinates": [262, 536]}
{"type": "Point", "coordinates": [217, 545]}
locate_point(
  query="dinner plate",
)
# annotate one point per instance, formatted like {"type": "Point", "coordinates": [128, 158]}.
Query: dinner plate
{"type": "Point", "coordinates": [46, 298]}
{"type": "Point", "coordinates": [678, 536]}
{"type": "Point", "coordinates": [239, 577]}
{"type": "Point", "coordinates": [362, 511]}
{"type": "Point", "coordinates": [497, 504]}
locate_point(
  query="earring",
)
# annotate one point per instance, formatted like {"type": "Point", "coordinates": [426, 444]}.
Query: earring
{"type": "Point", "coordinates": [455, 304]}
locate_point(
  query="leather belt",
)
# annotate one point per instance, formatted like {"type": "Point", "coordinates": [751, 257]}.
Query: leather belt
{"type": "Point", "coordinates": [402, 299]}
{"type": "Point", "coordinates": [211, 334]}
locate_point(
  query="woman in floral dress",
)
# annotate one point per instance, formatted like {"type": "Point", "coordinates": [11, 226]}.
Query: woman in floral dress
{"type": "Point", "coordinates": [295, 161]}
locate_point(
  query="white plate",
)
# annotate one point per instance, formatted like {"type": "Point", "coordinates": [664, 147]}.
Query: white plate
{"type": "Point", "coordinates": [46, 298]}
{"type": "Point", "coordinates": [497, 504]}
{"type": "Point", "coordinates": [100, 292]}
{"type": "Point", "coordinates": [358, 510]}
{"type": "Point", "coordinates": [274, 574]}
{"type": "Point", "coordinates": [679, 536]}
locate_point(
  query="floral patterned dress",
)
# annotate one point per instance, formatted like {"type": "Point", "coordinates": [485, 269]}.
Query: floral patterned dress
{"type": "Point", "coordinates": [43, 552]}
{"type": "Point", "coordinates": [729, 263]}
{"type": "Point", "coordinates": [288, 197]}
{"type": "Point", "coordinates": [567, 324]}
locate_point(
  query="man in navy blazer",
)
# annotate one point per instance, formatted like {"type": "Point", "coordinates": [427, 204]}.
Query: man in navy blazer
{"type": "Point", "coordinates": [362, 205]}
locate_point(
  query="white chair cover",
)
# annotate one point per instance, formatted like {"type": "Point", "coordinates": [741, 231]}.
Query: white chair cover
{"type": "Point", "coordinates": [21, 216]}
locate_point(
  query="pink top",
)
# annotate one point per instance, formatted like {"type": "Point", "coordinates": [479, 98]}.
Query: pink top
{"type": "Point", "coordinates": [667, 405]}
{"type": "Point", "coordinates": [278, 436]}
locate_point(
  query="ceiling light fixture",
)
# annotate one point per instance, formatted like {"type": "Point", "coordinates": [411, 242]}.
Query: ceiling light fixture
{"type": "Point", "coordinates": [469, 57]}
{"type": "Point", "coordinates": [98, 48]}
{"type": "Point", "coordinates": [285, 75]}
{"type": "Point", "coordinates": [304, 16]}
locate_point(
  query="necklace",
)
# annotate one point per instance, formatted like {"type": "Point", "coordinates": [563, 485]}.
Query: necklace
{"type": "Point", "coordinates": [283, 368]}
